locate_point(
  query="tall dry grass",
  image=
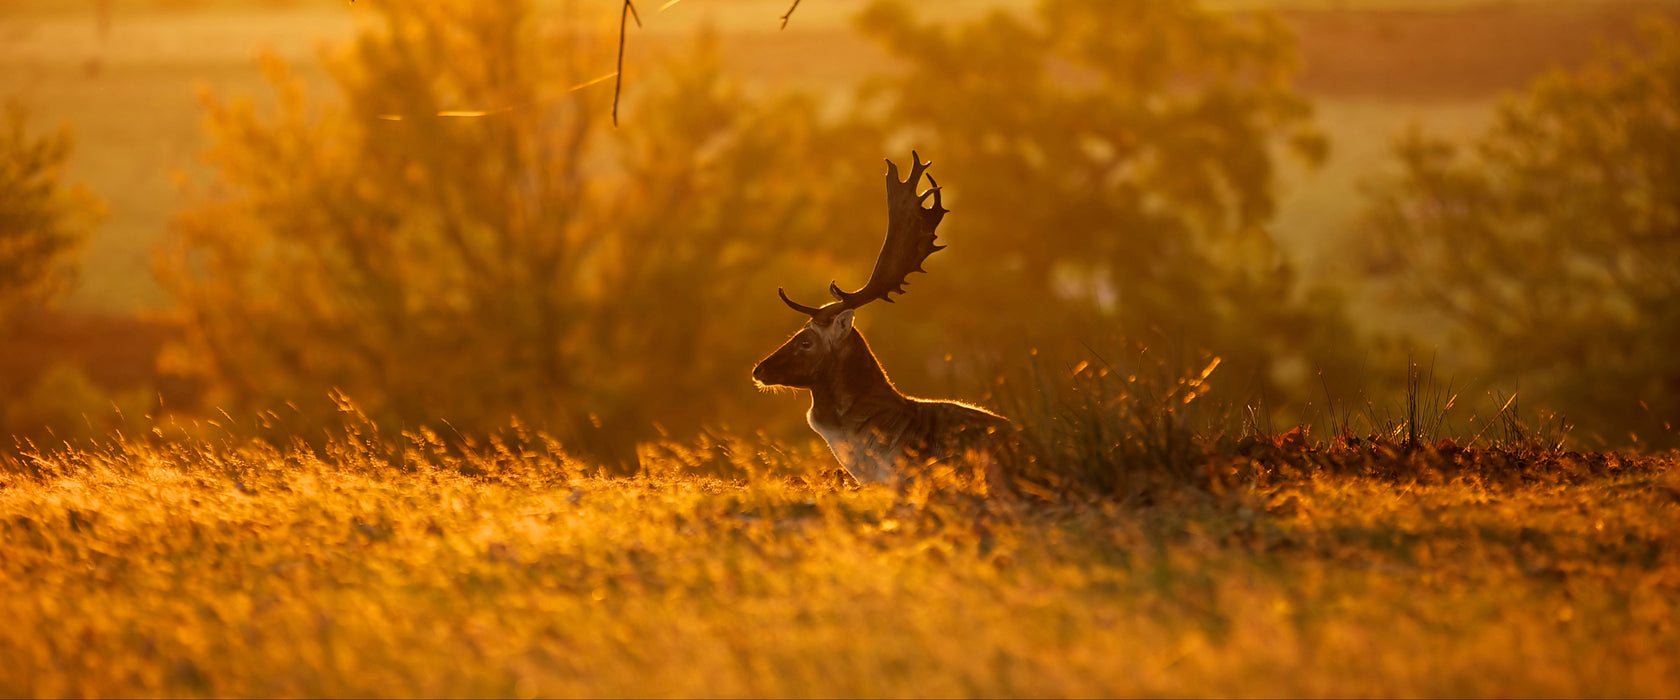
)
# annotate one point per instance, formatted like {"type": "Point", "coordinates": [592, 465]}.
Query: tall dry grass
{"type": "Point", "coordinates": [411, 565]}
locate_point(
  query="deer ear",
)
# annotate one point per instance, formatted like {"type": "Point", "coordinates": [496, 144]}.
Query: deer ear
{"type": "Point", "coordinates": [842, 323]}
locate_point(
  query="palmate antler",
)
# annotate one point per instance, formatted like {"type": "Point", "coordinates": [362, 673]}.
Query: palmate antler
{"type": "Point", "coordinates": [910, 240]}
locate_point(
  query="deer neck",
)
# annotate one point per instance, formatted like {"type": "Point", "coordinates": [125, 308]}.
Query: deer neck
{"type": "Point", "coordinates": [853, 390]}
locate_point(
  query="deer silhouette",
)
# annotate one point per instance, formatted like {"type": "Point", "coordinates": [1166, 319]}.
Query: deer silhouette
{"type": "Point", "coordinates": [878, 434]}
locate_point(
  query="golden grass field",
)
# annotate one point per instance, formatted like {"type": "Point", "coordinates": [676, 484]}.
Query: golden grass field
{"type": "Point", "coordinates": [202, 567]}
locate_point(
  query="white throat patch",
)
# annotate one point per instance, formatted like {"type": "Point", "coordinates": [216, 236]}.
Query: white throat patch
{"type": "Point", "coordinates": [854, 455]}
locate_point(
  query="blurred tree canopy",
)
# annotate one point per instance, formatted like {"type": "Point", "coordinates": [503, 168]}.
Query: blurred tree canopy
{"type": "Point", "coordinates": [1116, 167]}
{"type": "Point", "coordinates": [1552, 244]}
{"type": "Point", "coordinates": [42, 220]}
{"type": "Point", "coordinates": [525, 262]}
{"type": "Point", "coordinates": [1111, 174]}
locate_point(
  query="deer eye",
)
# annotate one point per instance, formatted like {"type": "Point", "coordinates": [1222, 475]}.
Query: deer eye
{"type": "Point", "coordinates": [805, 344]}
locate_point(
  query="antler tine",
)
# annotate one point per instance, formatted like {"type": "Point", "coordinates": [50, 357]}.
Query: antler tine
{"type": "Point", "coordinates": [938, 203]}
{"type": "Point", "coordinates": [917, 167]}
{"type": "Point", "coordinates": [796, 306]}
{"type": "Point", "coordinates": [834, 291]}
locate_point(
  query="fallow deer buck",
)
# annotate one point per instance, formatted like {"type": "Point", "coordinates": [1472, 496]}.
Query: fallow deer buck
{"type": "Point", "coordinates": [878, 434]}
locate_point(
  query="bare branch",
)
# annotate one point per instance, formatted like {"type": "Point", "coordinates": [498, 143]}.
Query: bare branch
{"type": "Point", "coordinates": [623, 21]}
{"type": "Point", "coordinates": [789, 13]}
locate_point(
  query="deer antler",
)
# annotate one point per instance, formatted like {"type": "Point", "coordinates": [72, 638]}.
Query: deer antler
{"type": "Point", "coordinates": [796, 306]}
{"type": "Point", "coordinates": [909, 236]}
{"type": "Point", "coordinates": [910, 239]}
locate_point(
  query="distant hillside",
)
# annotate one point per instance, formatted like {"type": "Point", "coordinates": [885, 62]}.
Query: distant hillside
{"type": "Point", "coordinates": [1460, 54]}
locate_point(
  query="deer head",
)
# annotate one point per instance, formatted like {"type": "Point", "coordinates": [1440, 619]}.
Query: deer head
{"type": "Point", "coordinates": [910, 239]}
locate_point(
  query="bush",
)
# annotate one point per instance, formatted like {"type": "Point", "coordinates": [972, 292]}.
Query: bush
{"type": "Point", "coordinates": [1550, 243]}
{"type": "Point", "coordinates": [42, 220]}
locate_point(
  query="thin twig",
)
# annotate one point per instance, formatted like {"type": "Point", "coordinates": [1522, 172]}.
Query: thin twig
{"type": "Point", "coordinates": [789, 13]}
{"type": "Point", "coordinates": [623, 21]}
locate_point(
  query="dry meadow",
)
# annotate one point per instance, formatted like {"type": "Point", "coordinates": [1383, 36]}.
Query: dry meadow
{"type": "Point", "coordinates": [370, 568]}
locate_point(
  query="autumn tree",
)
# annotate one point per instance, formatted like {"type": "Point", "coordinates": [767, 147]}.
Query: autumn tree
{"type": "Point", "coordinates": [43, 220]}
{"type": "Point", "coordinates": [1113, 173]}
{"type": "Point", "coordinates": [1551, 244]}
{"type": "Point", "coordinates": [461, 241]}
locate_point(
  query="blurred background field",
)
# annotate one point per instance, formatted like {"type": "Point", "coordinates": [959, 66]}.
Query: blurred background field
{"type": "Point", "coordinates": [1371, 68]}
